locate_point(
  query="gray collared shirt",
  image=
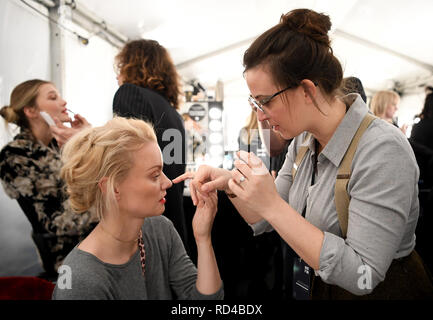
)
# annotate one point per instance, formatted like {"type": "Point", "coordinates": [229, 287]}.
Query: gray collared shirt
{"type": "Point", "coordinates": [383, 210]}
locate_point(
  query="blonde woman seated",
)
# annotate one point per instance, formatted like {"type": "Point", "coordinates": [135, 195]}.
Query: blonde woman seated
{"type": "Point", "coordinates": [134, 252]}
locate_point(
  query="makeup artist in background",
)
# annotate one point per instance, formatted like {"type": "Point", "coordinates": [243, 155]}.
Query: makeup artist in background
{"type": "Point", "coordinates": [149, 89]}
{"type": "Point", "coordinates": [30, 170]}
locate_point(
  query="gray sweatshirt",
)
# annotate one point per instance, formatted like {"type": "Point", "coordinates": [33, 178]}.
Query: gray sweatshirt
{"type": "Point", "coordinates": [383, 191]}
{"type": "Point", "coordinates": [169, 272]}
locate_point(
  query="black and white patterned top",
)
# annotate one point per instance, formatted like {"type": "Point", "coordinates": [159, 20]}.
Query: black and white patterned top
{"type": "Point", "coordinates": [30, 173]}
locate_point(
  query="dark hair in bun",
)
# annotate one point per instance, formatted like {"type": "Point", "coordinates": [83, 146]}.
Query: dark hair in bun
{"type": "Point", "coordinates": [309, 23]}
{"type": "Point", "coordinates": [298, 48]}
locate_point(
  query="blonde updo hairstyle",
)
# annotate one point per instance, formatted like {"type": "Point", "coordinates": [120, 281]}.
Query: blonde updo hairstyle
{"type": "Point", "coordinates": [95, 153]}
{"type": "Point", "coordinates": [23, 95]}
{"type": "Point", "coordinates": [381, 100]}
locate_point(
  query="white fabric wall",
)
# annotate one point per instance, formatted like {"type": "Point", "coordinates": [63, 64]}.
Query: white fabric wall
{"type": "Point", "coordinates": [90, 82]}
{"type": "Point", "coordinates": [24, 55]}
{"type": "Point", "coordinates": [89, 87]}
{"type": "Point", "coordinates": [236, 112]}
{"type": "Point", "coordinates": [410, 105]}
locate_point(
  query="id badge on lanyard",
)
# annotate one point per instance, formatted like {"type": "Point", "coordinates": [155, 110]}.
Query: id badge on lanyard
{"type": "Point", "coordinates": [302, 272]}
{"type": "Point", "coordinates": [301, 279]}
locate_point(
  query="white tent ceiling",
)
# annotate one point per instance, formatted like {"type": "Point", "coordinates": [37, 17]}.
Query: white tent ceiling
{"type": "Point", "coordinates": [378, 41]}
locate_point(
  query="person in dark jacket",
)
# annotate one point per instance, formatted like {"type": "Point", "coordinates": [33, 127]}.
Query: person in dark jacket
{"type": "Point", "coordinates": [421, 139]}
{"type": "Point", "coordinates": [149, 90]}
{"type": "Point", "coordinates": [422, 132]}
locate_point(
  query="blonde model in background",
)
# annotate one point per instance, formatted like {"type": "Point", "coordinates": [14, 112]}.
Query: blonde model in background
{"type": "Point", "coordinates": [384, 105]}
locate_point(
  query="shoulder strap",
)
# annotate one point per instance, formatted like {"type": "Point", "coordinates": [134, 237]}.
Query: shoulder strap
{"type": "Point", "coordinates": [300, 156]}
{"type": "Point", "coordinates": [344, 171]}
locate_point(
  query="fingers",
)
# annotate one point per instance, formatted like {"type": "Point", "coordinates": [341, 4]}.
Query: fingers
{"type": "Point", "coordinates": [56, 131]}
{"type": "Point", "coordinates": [197, 195]}
{"type": "Point", "coordinates": [192, 186]}
{"type": "Point", "coordinates": [204, 180]}
{"type": "Point", "coordinates": [238, 176]}
{"type": "Point", "coordinates": [217, 180]}
{"type": "Point", "coordinates": [79, 122]}
{"type": "Point", "coordinates": [241, 168]}
{"type": "Point", "coordinates": [214, 199]}
{"type": "Point", "coordinates": [214, 185]}
{"type": "Point", "coordinates": [243, 155]}
{"type": "Point", "coordinates": [58, 123]}
{"type": "Point", "coordinates": [210, 202]}
{"type": "Point", "coordinates": [249, 158]}
{"type": "Point", "coordinates": [209, 186]}
{"type": "Point", "coordinates": [235, 187]}
{"type": "Point", "coordinates": [193, 192]}
{"type": "Point", "coordinates": [254, 162]}
{"type": "Point", "coordinates": [183, 177]}
{"type": "Point", "coordinates": [81, 119]}
{"type": "Point", "coordinates": [200, 204]}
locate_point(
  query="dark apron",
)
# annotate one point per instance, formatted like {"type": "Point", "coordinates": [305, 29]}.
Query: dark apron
{"type": "Point", "coordinates": [406, 279]}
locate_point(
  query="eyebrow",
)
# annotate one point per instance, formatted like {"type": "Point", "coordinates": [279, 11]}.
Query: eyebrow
{"type": "Point", "coordinates": [52, 92]}
{"type": "Point", "coordinates": [262, 96]}
{"type": "Point", "coordinates": [155, 167]}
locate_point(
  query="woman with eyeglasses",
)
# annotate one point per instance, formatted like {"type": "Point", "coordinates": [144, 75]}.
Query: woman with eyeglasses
{"type": "Point", "coordinates": [294, 81]}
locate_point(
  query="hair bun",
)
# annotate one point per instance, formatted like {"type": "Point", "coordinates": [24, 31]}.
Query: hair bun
{"type": "Point", "coordinates": [8, 114]}
{"type": "Point", "coordinates": [312, 24]}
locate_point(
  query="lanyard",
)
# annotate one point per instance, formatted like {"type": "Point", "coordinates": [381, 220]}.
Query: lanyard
{"type": "Point", "coordinates": [302, 273]}
{"type": "Point", "coordinates": [313, 175]}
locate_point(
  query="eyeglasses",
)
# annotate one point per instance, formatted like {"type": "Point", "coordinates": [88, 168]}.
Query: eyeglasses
{"type": "Point", "coordinates": [259, 104]}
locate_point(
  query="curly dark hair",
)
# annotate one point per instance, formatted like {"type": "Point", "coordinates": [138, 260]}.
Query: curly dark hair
{"type": "Point", "coordinates": [146, 63]}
